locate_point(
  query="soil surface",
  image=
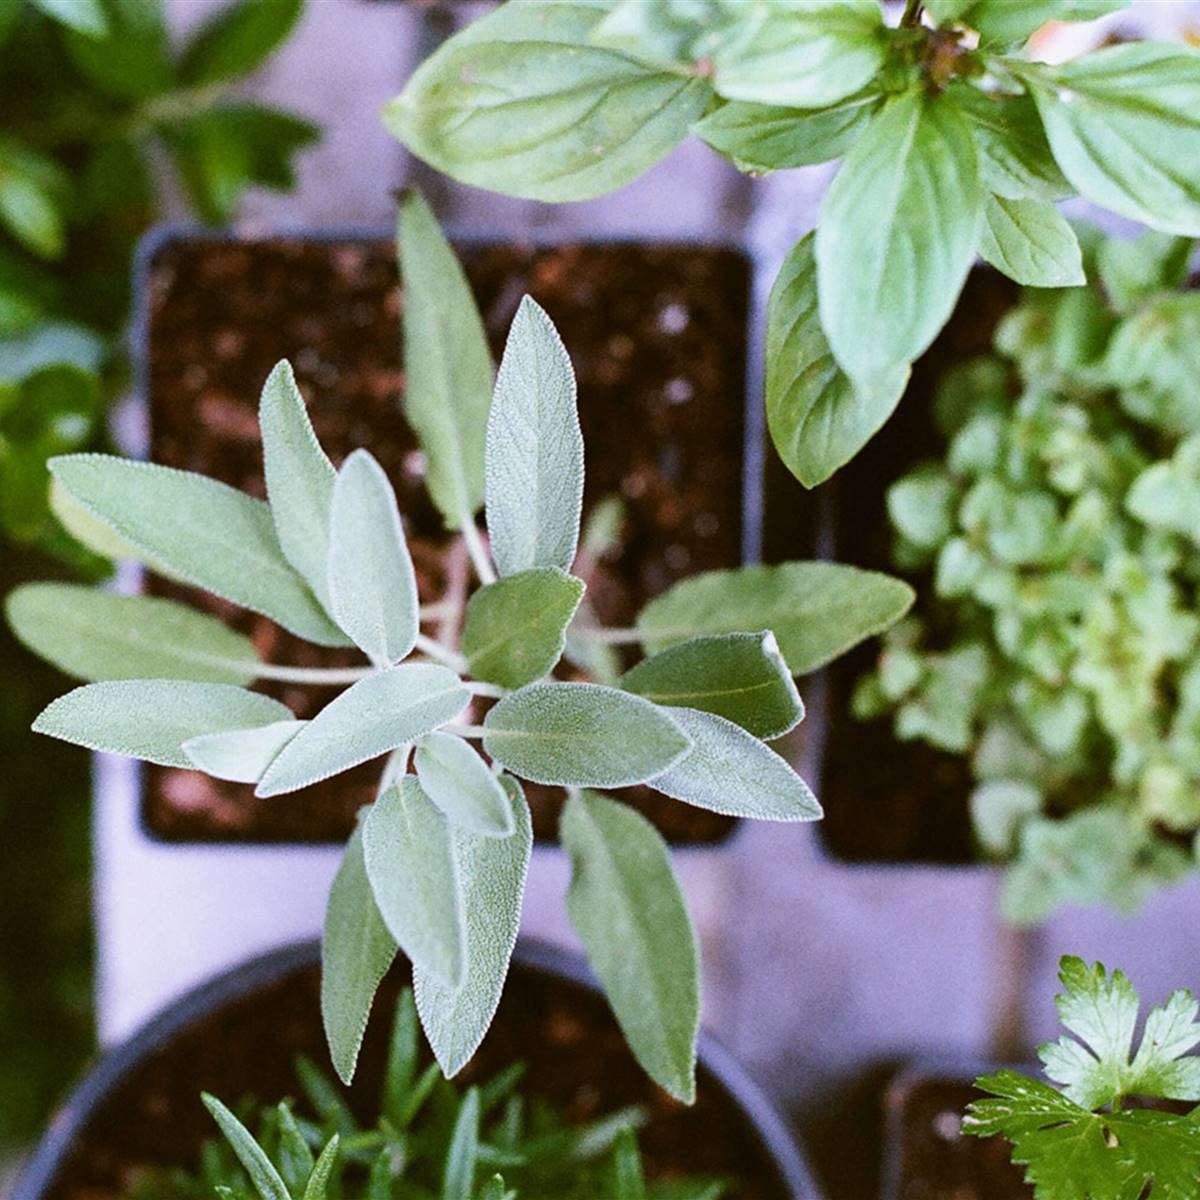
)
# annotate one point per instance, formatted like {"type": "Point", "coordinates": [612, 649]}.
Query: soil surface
{"type": "Point", "coordinates": [658, 339]}
{"type": "Point", "coordinates": [937, 1161]}
{"type": "Point", "coordinates": [574, 1054]}
{"type": "Point", "coordinates": [887, 800]}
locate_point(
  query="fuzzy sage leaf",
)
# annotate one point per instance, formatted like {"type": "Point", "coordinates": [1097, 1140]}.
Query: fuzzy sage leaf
{"type": "Point", "coordinates": [524, 103]}
{"type": "Point", "coordinates": [739, 676]}
{"type": "Point", "coordinates": [151, 719]}
{"type": "Point", "coordinates": [447, 364]}
{"type": "Point", "coordinates": [377, 714]}
{"type": "Point", "coordinates": [816, 610]}
{"type": "Point", "coordinates": [492, 872]}
{"type": "Point", "coordinates": [459, 782]}
{"type": "Point", "coordinates": [240, 755]}
{"type": "Point", "coordinates": [414, 877]}
{"type": "Point", "coordinates": [582, 735]}
{"type": "Point", "coordinates": [203, 532]}
{"type": "Point", "coordinates": [534, 456]}
{"type": "Point", "coordinates": [818, 416]}
{"type": "Point", "coordinates": [356, 952]}
{"type": "Point", "coordinates": [299, 478]}
{"type": "Point", "coordinates": [905, 210]}
{"type": "Point", "coordinates": [626, 906]}
{"type": "Point", "coordinates": [97, 635]}
{"type": "Point", "coordinates": [730, 771]}
{"type": "Point", "coordinates": [372, 584]}
{"type": "Point", "coordinates": [516, 628]}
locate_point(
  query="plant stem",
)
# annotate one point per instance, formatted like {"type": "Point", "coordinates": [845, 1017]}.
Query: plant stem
{"type": "Point", "coordinates": [610, 637]}
{"type": "Point", "coordinates": [485, 689]}
{"type": "Point", "coordinates": [466, 731]}
{"type": "Point", "coordinates": [440, 653]}
{"type": "Point", "coordinates": [912, 14]}
{"type": "Point", "coordinates": [322, 676]}
{"type": "Point", "coordinates": [477, 550]}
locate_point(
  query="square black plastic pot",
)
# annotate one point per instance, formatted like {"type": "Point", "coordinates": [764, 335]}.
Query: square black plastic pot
{"type": "Point", "coordinates": [766, 498]}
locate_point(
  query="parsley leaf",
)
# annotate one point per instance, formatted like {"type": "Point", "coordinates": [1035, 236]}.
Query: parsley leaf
{"type": "Point", "coordinates": [1076, 1142]}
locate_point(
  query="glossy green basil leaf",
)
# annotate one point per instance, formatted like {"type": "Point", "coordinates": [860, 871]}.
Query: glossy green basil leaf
{"type": "Point", "coordinates": [582, 735]}
{"type": "Point", "coordinates": [1124, 124]}
{"type": "Point", "coordinates": [459, 782]}
{"type": "Point", "coordinates": [240, 755]}
{"type": "Point", "coordinates": [1011, 22]}
{"type": "Point", "coordinates": [730, 771]}
{"type": "Point", "coordinates": [739, 676]}
{"type": "Point", "coordinates": [492, 871]}
{"type": "Point", "coordinates": [236, 39]}
{"type": "Point", "coordinates": [202, 531]}
{"type": "Point", "coordinates": [1015, 159]}
{"type": "Point", "coordinates": [356, 952]}
{"type": "Point", "coordinates": [447, 364]}
{"type": "Point", "coordinates": [897, 235]}
{"type": "Point", "coordinates": [372, 583]}
{"type": "Point", "coordinates": [96, 635]}
{"type": "Point", "coordinates": [627, 908]}
{"type": "Point", "coordinates": [1030, 241]}
{"type": "Point", "coordinates": [522, 102]}
{"type": "Point", "coordinates": [819, 418]}
{"type": "Point", "coordinates": [299, 479]}
{"type": "Point", "coordinates": [765, 137]}
{"type": "Point", "coordinates": [671, 33]}
{"type": "Point", "coordinates": [817, 610]}
{"type": "Point", "coordinates": [534, 453]}
{"type": "Point", "coordinates": [378, 714]}
{"type": "Point", "coordinates": [150, 719]}
{"type": "Point", "coordinates": [415, 879]}
{"type": "Point", "coordinates": [803, 55]}
{"type": "Point", "coordinates": [516, 627]}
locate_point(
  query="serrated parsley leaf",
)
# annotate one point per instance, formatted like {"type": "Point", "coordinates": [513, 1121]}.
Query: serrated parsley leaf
{"type": "Point", "coordinates": [1070, 1150]}
{"type": "Point", "coordinates": [1094, 1067]}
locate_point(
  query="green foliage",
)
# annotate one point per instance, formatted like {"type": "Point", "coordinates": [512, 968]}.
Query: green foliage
{"type": "Point", "coordinates": [438, 866]}
{"type": "Point", "coordinates": [1079, 1141]}
{"type": "Point", "coordinates": [93, 91]}
{"type": "Point", "coordinates": [1058, 648]}
{"type": "Point", "coordinates": [428, 1139]}
{"type": "Point", "coordinates": [955, 143]}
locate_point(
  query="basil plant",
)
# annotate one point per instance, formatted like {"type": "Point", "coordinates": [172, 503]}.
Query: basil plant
{"type": "Point", "coordinates": [954, 144]}
{"type": "Point", "coordinates": [437, 865]}
{"type": "Point", "coordinates": [1059, 644]}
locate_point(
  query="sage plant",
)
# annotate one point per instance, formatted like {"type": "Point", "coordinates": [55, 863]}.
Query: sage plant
{"type": "Point", "coordinates": [437, 864]}
{"type": "Point", "coordinates": [955, 142]}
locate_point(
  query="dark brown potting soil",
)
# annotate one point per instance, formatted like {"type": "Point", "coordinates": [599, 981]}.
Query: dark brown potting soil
{"type": "Point", "coordinates": [887, 800]}
{"type": "Point", "coordinates": [938, 1161]}
{"type": "Point", "coordinates": [574, 1054]}
{"type": "Point", "coordinates": [658, 339]}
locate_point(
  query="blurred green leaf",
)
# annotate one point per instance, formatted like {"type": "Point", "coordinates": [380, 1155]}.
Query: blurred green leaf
{"type": "Point", "coordinates": [237, 39]}
{"type": "Point", "coordinates": [133, 61]}
{"type": "Point", "coordinates": [84, 16]}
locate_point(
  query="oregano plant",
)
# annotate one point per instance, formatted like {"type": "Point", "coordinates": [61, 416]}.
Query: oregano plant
{"type": "Point", "coordinates": [489, 1141]}
{"type": "Point", "coordinates": [437, 865]}
{"type": "Point", "coordinates": [1100, 1130]}
{"type": "Point", "coordinates": [954, 143]}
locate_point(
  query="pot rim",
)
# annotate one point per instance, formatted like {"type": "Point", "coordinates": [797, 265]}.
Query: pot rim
{"type": "Point", "coordinates": [39, 1172]}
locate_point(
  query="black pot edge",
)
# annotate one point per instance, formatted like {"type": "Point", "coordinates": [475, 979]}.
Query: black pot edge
{"type": "Point", "coordinates": [754, 430]}
{"type": "Point", "coordinates": [38, 1174]}
{"type": "Point", "coordinates": [955, 1068]}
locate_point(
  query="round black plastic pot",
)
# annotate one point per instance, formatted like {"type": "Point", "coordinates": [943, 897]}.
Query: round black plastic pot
{"type": "Point", "coordinates": [766, 1154]}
